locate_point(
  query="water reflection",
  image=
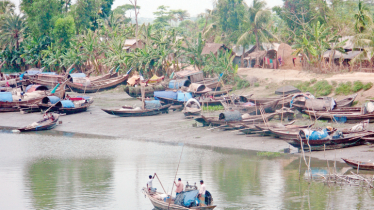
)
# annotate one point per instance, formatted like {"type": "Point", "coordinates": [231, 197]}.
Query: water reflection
{"type": "Point", "coordinates": [63, 172]}
{"type": "Point", "coordinates": [56, 184]}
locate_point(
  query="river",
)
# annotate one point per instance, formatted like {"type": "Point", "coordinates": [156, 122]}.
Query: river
{"type": "Point", "coordinates": [58, 170]}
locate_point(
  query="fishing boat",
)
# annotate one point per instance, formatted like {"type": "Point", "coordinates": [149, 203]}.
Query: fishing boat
{"type": "Point", "coordinates": [236, 123]}
{"type": "Point", "coordinates": [46, 124]}
{"type": "Point", "coordinates": [329, 142]}
{"type": "Point", "coordinates": [163, 205]}
{"type": "Point", "coordinates": [250, 108]}
{"type": "Point", "coordinates": [282, 131]}
{"type": "Point", "coordinates": [341, 116]}
{"type": "Point", "coordinates": [70, 105]}
{"type": "Point", "coordinates": [96, 86]}
{"type": "Point", "coordinates": [346, 102]}
{"type": "Point", "coordinates": [150, 108]}
{"type": "Point", "coordinates": [359, 165]}
{"type": "Point", "coordinates": [192, 107]}
{"type": "Point", "coordinates": [32, 96]}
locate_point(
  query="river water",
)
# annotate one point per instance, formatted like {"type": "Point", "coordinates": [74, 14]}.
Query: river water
{"type": "Point", "coordinates": [52, 170]}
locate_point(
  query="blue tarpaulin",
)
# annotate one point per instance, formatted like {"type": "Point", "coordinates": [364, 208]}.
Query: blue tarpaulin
{"type": "Point", "coordinates": [184, 96]}
{"type": "Point", "coordinates": [6, 97]}
{"type": "Point", "coordinates": [317, 135]}
{"type": "Point", "coordinates": [78, 75]}
{"type": "Point", "coordinates": [190, 197]}
{"type": "Point", "coordinates": [166, 94]}
{"type": "Point", "coordinates": [67, 104]}
{"type": "Point", "coordinates": [340, 118]}
{"type": "Point", "coordinates": [52, 99]}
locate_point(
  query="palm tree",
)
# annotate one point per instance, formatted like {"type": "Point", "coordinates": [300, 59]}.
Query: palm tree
{"type": "Point", "coordinates": [256, 20]}
{"type": "Point", "coordinates": [6, 7]}
{"type": "Point", "coordinates": [12, 29]}
{"type": "Point", "coordinates": [362, 18]}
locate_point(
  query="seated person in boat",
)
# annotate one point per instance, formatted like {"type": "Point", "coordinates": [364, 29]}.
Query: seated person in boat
{"type": "Point", "coordinates": [149, 184]}
{"type": "Point", "coordinates": [202, 193]}
{"type": "Point", "coordinates": [179, 186]}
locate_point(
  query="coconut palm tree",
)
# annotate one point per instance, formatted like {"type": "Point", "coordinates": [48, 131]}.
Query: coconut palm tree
{"type": "Point", "coordinates": [362, 18]}
{"type": "Point", "coordinates": [256, 20]}
{"type": "Point", "coordinates": [12, 30]}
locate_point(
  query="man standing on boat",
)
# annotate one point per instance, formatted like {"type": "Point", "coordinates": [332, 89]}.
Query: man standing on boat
{"type": "Point", "coordinates": [202, 193]}
{"type": "Point", "coordinates": [179, 186]}
{"type": "Point", "coordinates": [149, 183]}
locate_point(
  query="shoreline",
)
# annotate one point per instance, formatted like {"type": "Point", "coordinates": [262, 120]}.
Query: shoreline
{"type": "Point", "coordinates": [169, 128]}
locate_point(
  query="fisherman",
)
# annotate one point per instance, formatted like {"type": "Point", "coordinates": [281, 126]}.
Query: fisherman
{"type": "Point", "coordinates": [202, 193]}
{"type": "Point", "coordinates": [149, 183]}
{"type": "Point", "coordinates": [179, 186]}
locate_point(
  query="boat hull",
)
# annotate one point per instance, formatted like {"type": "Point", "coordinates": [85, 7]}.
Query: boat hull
{"type": "Point", "coordinates": [140, 113]}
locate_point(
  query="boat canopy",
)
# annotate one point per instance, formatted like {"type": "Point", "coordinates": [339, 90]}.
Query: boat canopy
{"type": "Point", "coordinates": [51, 99]}
{"type": "Point", "coordinates": [67, 104]}
{"type": "Point", "coordinates": [32, 88]}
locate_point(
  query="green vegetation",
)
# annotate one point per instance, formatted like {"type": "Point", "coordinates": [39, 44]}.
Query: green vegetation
{"type": "Point", "coordinates": [320, 88]}
{"type": "Point", "coordinates": [347, 87]}
{"type": "Point", "coordinates": [367, 86]}
{"type": "Point", "coordinates": [91, 35]}
{"type": "Point", "coordinates": [213, 108]}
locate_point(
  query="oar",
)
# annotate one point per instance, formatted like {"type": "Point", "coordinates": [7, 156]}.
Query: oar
{"type": "Point", "coordinates": [175, 176]}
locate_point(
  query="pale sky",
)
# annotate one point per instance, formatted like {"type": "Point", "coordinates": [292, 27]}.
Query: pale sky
{"type": "Point", "coordinates": [194, 7]}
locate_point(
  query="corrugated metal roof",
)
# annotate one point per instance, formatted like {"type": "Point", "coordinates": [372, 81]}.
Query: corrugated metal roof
{"type": "Point", "coordinates": [238, 50]}
{"type": "Point", "coordinates": [349, 55]}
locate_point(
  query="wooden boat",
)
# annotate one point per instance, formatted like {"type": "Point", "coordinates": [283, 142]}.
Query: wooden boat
{"type": "Point", "coordinates": [350, 117]}
{"type": "Point", "coordinates": [282, 132]}
{"type": "Point", "coordinates": [319, 145]}
{"type": "Point", "coordinates": [269, 107]}
{"type": "Point", "coordinates": [216, 121]}
{"type": "Point", "coordinates": [162, 205]}
{"type": "Point", "coordinates": [80, 105]}
{"type": "Point", "coordinates": [346, 102]}
{"type": "Point", "coordinates": [16, 105]}
{"type": "Point", "coordinates": [97, 86]}
{"type": "Point", "coordinates": [45, 124]}
{"type": "Point", "coordinates": [360, 165]}
{"type": "Point", "coordinates": [212, 83]}
{"type": "Point", "coordinates": [131, 112]}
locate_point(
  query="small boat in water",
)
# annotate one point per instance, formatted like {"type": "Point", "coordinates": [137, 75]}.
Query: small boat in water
{"type": "Point", "coordinates": [158, 203]}
{"type": "Point", "coordinates": [49, 122]}
{"type": "Point", "coordinates": [360, 165]}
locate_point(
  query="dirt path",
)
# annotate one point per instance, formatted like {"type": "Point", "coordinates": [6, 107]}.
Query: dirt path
{"type": "Point", "coordinates": [295, 75]}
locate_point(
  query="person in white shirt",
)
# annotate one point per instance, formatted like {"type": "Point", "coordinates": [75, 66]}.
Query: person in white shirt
{"type": "Point", "coordinates": [149, 183]}
{"type": "Point", "coordinates": [202, 193]}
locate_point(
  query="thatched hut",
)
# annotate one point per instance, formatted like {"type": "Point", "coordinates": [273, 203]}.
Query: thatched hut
{"type": "Point", "coordinates": [287, 59]}
{"type": "Point", "coordinates": [214, 48]}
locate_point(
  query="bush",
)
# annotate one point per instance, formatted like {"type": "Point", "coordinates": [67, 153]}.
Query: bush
{"type": "Point", "coordinates": [367, 86]}
{"type": "Point", "coordinates": [321, 88]}
{"type": "Point", "coordinates": [257, 84]}
{"type": "Point", "coordinates": [241, 83]}
{"type": "Point", "coordinates": [334, 83]}
{"type": "Point", "coordinates": [357, 86]}
{"type": "Point", "coordinates": [213, 108]}
{"type": "Point", "coordinates": [344, 88]}
{"type": "Point", "coordinates": [312, 81]}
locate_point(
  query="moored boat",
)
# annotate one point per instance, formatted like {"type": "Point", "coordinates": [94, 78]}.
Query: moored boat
{"type": "Point", "coordinates": [360, 165]}
{"type": "Point", "coordinates": [96, 86]}
{"type": "Point", "coordinates": [49, 122]}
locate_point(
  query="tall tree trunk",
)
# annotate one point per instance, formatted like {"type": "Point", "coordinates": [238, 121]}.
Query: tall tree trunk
{"type": "Point", "coordinates": [242, 60]}
{"type": "Point", "coordinates": [257, 42]}
{"type": "Point", "coordinates": [136, 20]}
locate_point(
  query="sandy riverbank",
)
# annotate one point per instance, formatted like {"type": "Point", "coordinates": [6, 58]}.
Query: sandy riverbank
{"type": "Point", "coordinates": [171, 128]}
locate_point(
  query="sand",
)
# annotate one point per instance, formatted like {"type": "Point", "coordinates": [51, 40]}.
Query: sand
{"type": "Point", "coordinates": [170, 128]}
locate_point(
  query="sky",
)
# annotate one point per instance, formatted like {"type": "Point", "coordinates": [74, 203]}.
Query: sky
{"type": "Point", "coordinates": [194, 7]}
